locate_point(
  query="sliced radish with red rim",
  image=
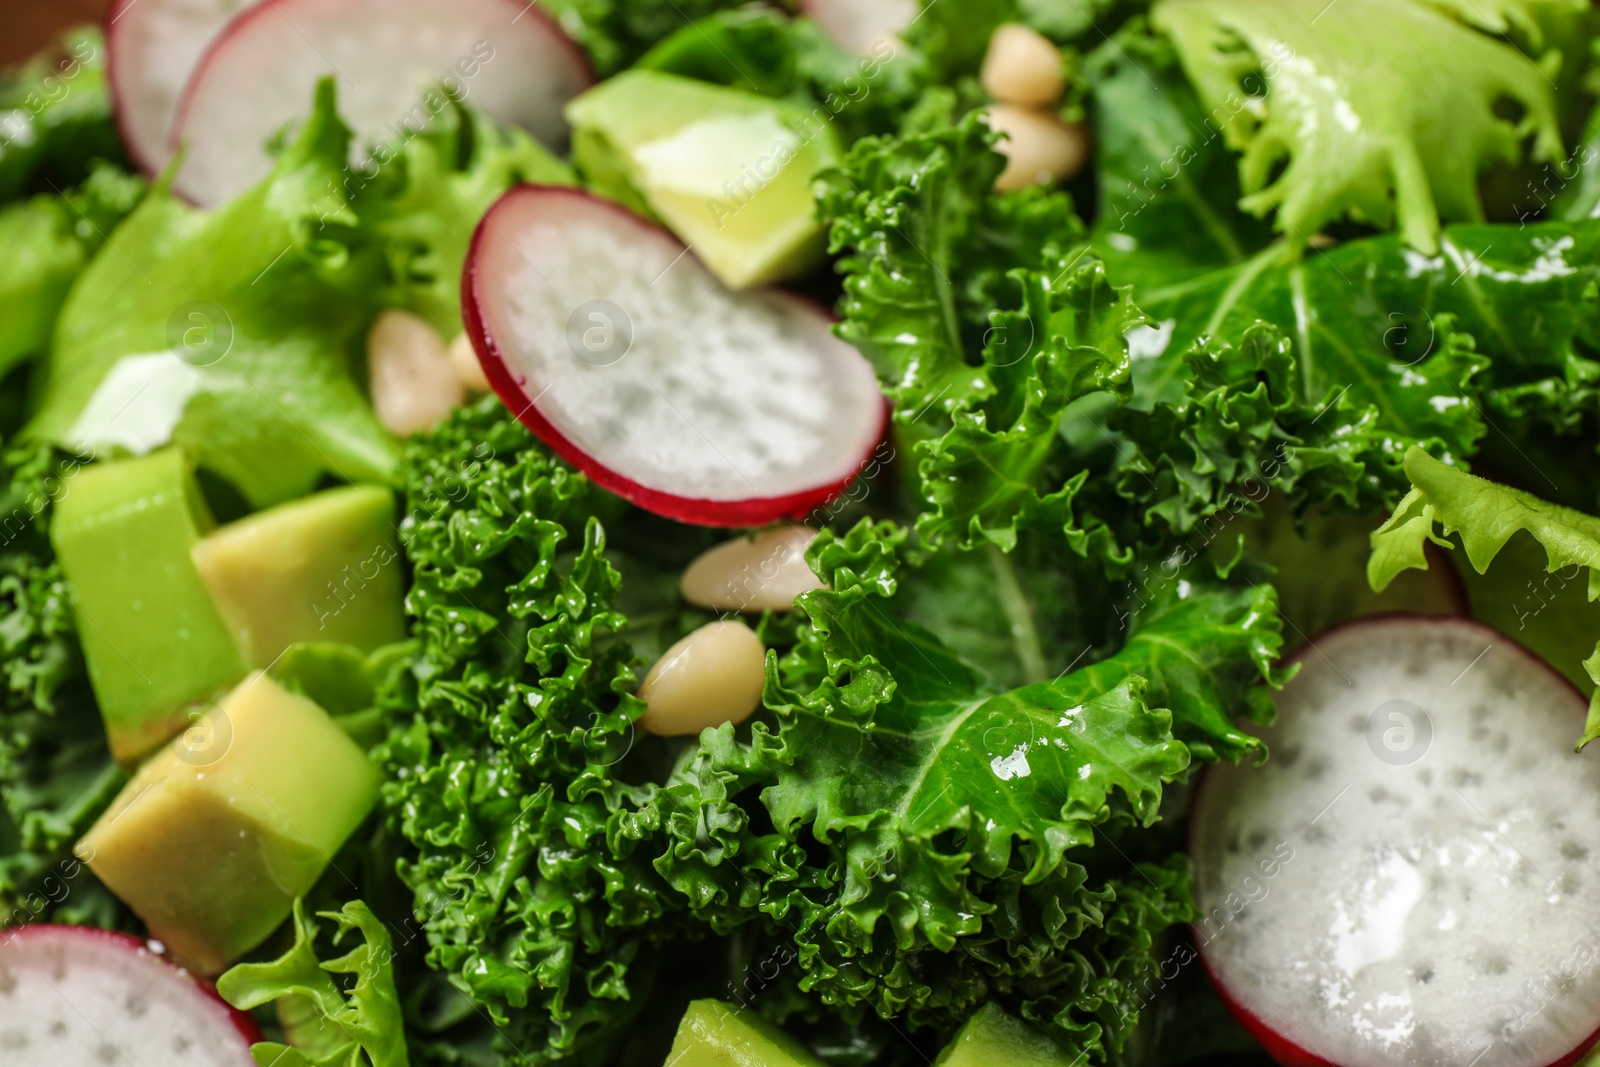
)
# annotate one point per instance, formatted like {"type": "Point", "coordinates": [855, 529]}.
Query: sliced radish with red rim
{"type": "Point", "coordinates": [630, 360]}
{"type": "Point", "coordinates": [1409, 878]}
{"type": "Point", "coordinates": [860, 25]}
{"type": "Point", "coordinates": [505, 57]}
{"type": "Point", "coordinates": [151, 46]}
{"type": "Point", "coordinates": [76, 995]}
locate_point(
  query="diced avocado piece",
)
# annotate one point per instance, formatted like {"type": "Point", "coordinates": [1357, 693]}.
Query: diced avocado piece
{"type": "Point", "coordinates": [215, 836]}
{"type": "Point", "coordinates": [728, 171]}
{"type": "Point", "coordinates": [152, 639]}
{"type": "Point", "coordinates": [323, 569]}
{"type": "Point", "coordinates": [991, 1036]}
{"type": "Point", "coordinates": [716, 1034]}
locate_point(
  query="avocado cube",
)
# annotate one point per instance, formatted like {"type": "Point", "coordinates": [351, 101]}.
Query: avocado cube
{"type": "Point", "coordinates": [992, 1036]}
{"type": "Point", "coordinates": [219, 832]}
{"type": "Point", "coordinates": [716, 1034]}
{"type": "Point", "coordinates": [728, 171]}
{"type": "Point", "coordinates": [153, 641]}
{"type": "Point", "coordinates": [325, 569]}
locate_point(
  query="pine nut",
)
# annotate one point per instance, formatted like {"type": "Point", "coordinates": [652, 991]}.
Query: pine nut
{"type": "Point", "coordinates": [1040, 148]}
{"type": "Point", "coordinates": [761, 573]}
{"type": "Point", "coordinates": [469, 372]}
{"type": "Point", "coordinates": [413, 383]}
{"type": "Point", "coordinates": [1022, 67]}
{"type": "Point", "coordinates": [711, 677]}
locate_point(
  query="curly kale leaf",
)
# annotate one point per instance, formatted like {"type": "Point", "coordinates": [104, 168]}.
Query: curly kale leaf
{"type": "Point", "coordinates": [983, 327]}
{"type": "Point", "coordinates": [615, 33]}
{"type": "Point", "coordinates": [1313, 372]}
{"type": "Point", "coordinates": [763, 50]}
{"type": "Point", "coordinates": [508, 735]}
{"type": "Point", "coordinates": [936, 841]}
{"type": "Point", "coordinates": [1361, 352]}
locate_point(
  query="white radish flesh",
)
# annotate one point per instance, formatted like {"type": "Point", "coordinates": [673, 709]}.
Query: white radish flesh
{"type": "Point", "coordinates": [1409, 879]}
{"type": "Point", "coordinates": [622, 352]}
{"type": "Point", "coordinates": [862, 26]}
{"type": "Point", "coordinates": [151, 46]}
{"type": "Point", "coordinates": [760, 573]}
{"type": "Point", "coordinates": [711, 677]}
{"type": "Point", "coordinates": [389, 57]}
{"type": "Point", "coordinates": [73, 995]}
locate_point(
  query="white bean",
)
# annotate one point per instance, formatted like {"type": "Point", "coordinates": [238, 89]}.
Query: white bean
{"type": "Point", "coordinates": [1039, 147]}
{"type": "Point", "coordinates": [1022, 67]}
{"type": "Point", "coordinates": [413, 383]}
{"type": "Point", "coordinates": [711, 677]}
{"type": "Point", "coordinates": [464, 358]}
{"type": "Point", "coordinates": [761, 573]}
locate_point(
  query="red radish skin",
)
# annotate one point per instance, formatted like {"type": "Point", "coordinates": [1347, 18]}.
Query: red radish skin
{"type": "Point", "coordinates": [1284, 1040]}
{"type": "Point", "coordinates": [148, 991]}
{"type": "Point", "coordinates": [1286, 1052]}
{"type": "Point", "coordinates": [508, 58]}
{"type": "Point", "coordinates": [151, 46]}
{"type": "Point", "coordinates": [497, 366]}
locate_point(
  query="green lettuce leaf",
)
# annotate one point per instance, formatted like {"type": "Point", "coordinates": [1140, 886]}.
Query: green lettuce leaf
{"type": "Point", "coordinates": [360, 1027]}
{"type": "Point", "coordinates": [247, 359]}
{"type": "Point", "coordinates": [1485, 516]}
{"type": "Point", "coordinates": [1383, 111]}
{"type": "Point", "coordinates": [423, 207]}
{"type": "Point", "coordinates": [48, 241]}
{"type": "Point", "coordinates": [254, 360]}
{"type": "Point", "coordinates": [1526, 22]}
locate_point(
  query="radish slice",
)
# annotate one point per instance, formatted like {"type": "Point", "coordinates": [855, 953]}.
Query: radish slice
{"type": "Point", "coordinates": [506, 57]}
{"type": "Point", "coordinates": [859, 25]}
{"type": "Point", "coordinates": [151, 46]}
{"type": "Point", "coordinates": [77, 995]}
{"type": "Point", "coordinates": [1410, 878]}
{"type": "Point", "coordinates": [632, 362]}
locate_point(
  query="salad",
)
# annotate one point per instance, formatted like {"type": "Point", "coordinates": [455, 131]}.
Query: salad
{"type": "Point", "coordinates": [849, 532]}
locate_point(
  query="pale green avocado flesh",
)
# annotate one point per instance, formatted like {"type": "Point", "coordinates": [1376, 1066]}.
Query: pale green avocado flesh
{"type": "Point", "coordinates": [219, 832]}
{"type": "Point", "coordinates": [715, 1034]}
{"type": "Point", "coordinates": [729, 172]}
{"type": "Point", "coordinates": [992, 1037]}
{"type": "Point", "coordinates": [153, 641]}
{"type": "Point", "coordinates": [325, 569]}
